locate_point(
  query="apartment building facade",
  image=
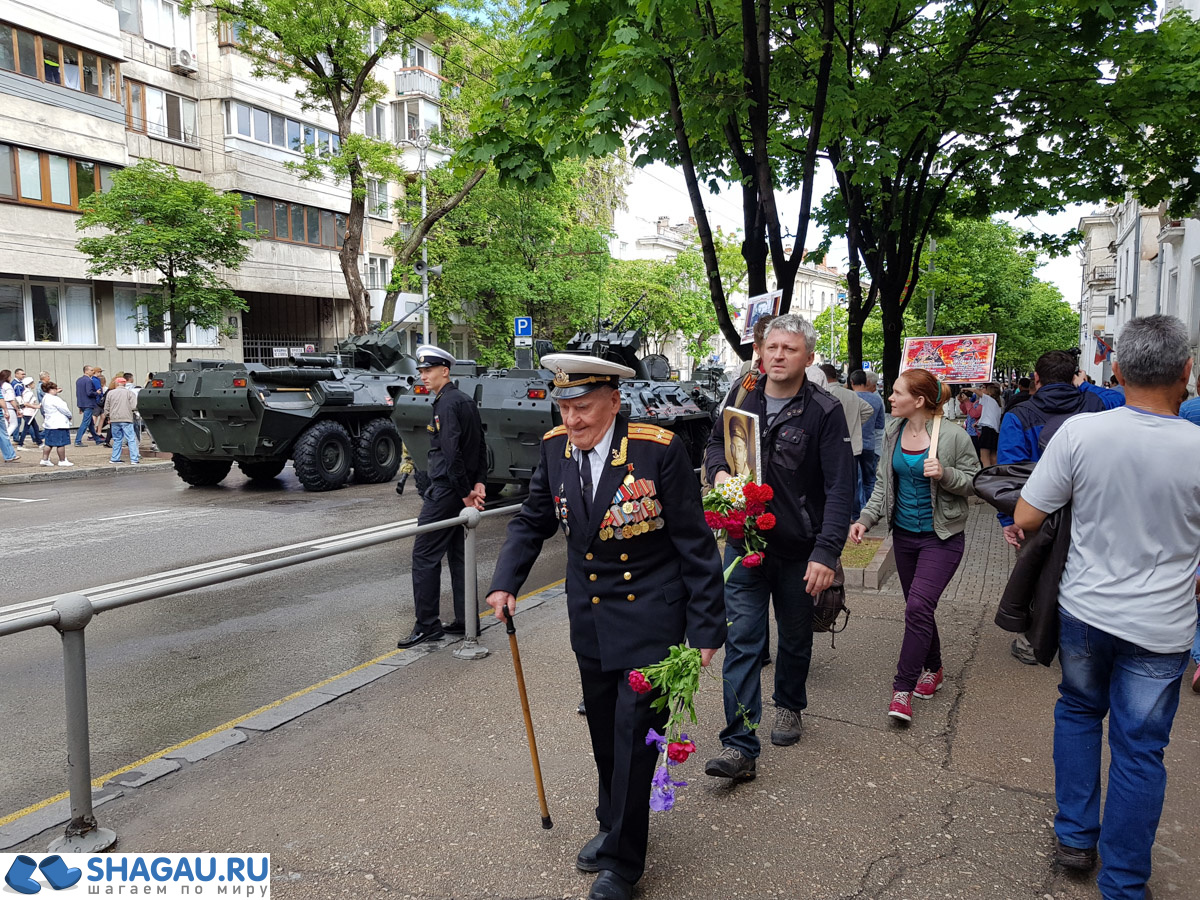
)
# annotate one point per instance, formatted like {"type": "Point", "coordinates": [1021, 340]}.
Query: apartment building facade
{"type": "Point", "coordinates": [89, 87]}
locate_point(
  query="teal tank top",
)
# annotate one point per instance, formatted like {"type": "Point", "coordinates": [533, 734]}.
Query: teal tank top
{"type": "Point", "coordinates": [914, 501]}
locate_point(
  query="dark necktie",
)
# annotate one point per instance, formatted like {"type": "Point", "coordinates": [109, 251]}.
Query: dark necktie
{"type": "Point", "coordinates": [585, 476]}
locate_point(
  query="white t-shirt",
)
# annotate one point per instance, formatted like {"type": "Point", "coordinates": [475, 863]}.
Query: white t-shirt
{"type": "Point", "coordinates": [989, 416]}
{"type": "Point", "coordinates": [1133, 479]}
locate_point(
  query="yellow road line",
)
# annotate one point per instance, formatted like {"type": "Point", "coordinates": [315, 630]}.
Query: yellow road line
{"type": "Point", "coordinates": [232, 723]}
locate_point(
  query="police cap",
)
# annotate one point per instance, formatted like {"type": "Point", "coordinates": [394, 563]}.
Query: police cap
{"type": "Point", "coordinates": [576, 374]}
{"type": "Point", "coordinates": [429, 355]}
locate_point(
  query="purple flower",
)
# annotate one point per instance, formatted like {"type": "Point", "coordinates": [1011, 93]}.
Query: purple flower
{"type": "Point", "coordinates": [661, 778]}
{"type": "Point", "coordinates": [653, 737]}
{"type": "Point", "coordinates": [662, 799]}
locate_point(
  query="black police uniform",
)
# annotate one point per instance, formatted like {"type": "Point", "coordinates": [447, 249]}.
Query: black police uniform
{"type": "Point", "coordinates": [457, 462]}
{"type": "Point", "coordinates": [643, 573]}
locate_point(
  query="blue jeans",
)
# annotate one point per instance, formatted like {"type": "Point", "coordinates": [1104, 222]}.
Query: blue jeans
{"type": "Point", "coordinates": [122, 432]}
{"type": "Point", "coordinates": [867, 462]}
{"type": "Point", "coordinates": [748, 594]}
{"type": "Point", "coordinates": [85, 426]}
{"type": "Point", "coordinates": [28, 426]}
{"type": "Point", "coordinates": [6, 445]}
{"type": "Point", "coordinates": [1139, 692]}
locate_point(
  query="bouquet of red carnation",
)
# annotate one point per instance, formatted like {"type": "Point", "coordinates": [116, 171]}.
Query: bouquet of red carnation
{"type": "Point", "coordinates": [737, 509]}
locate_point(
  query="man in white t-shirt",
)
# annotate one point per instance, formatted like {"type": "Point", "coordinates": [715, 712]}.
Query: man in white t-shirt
{"type": "Point", "coordinates": [1127, 612]}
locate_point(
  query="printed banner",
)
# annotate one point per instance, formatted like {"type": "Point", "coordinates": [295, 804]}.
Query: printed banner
{"type": "Point", "coordinates": [958, 359]}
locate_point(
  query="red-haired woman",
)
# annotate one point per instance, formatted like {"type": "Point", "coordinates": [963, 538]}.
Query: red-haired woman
{"type": "Point", "coordinates": [924, 501]}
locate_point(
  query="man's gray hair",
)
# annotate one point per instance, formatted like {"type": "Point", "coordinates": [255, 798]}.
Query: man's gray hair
{"type": "Point", "coordinates": [793, 324]}
{"type": "Point", "coordinates": [872, 378]}
{"type": "Point", "coordinates": [1152, 350]}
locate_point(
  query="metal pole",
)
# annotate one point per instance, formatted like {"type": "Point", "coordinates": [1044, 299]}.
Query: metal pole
{"type": "Point", "coordinates": [423, 146]}
{"type": "Point", "coordinates": [470, 649]}
{"type": "Point", "coordinates": [83, 835]}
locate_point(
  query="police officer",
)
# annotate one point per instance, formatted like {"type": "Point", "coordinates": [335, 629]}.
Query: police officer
{"type": "Point", "coordinates": [457, 472]}
{"type": "Point", "coordinates": [643, 573]}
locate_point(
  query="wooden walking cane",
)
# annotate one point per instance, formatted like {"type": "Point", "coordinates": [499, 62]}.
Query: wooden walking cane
{"type": "Point", "coordinates": [537, 768]}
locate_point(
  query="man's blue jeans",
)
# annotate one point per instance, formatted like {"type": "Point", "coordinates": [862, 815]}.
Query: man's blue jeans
{"type": "Point", "coordinates": [1139, 691]}
{"type": "Point", "coordinates": [85, 425]}
{"type": "Point", "coordinates": [748, 594]}
{"type": "Point", "coordinates": [122, 432]}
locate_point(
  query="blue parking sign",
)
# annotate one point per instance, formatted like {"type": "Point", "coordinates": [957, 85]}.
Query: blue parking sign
{"type": "Point", "coordinates": [523, 326]}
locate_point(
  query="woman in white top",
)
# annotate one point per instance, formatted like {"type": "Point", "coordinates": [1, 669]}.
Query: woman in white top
{"type": "Point", "coordinates": [989, 423]}
{"type": "Point", "coordinates": [56, 416]}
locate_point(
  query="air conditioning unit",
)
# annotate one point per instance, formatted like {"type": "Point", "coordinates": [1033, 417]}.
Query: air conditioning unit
{"type": "Point", "coordinates": [183, 60]}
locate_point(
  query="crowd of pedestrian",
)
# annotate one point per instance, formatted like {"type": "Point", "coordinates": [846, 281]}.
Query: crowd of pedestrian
{"type": "Point", "coordinates": [108, 414]}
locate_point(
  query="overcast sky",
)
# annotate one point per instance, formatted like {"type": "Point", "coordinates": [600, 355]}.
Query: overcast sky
{"type": "Point", "coordinates": [659, 190]}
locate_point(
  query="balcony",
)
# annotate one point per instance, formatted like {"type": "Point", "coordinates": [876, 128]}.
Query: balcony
{"type": "Point", "coordinates": [1102, 274]}
{"type": "Point", "coordinates": [1172, 232]}
{"type": "Point", "coordinates": [416, 81]}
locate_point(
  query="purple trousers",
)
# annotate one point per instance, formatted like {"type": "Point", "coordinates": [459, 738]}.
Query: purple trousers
{"type": "Point", "coordinates": [925, 564]}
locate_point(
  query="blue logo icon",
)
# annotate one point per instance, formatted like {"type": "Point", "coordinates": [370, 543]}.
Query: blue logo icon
{"type": "Point", "coordinates": [57, 872]}
{"type": "Point", "coordinates": [523, 326]}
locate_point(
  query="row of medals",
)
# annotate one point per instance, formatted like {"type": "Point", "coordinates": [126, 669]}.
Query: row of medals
{"type": "Point", "coordinates": [634, 511]}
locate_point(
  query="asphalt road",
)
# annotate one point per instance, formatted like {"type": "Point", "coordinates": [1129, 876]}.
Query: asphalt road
{"type": "Point", "coordinates": [168, 669]}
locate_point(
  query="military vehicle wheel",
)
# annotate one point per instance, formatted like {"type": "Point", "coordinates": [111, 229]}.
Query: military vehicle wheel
{"type": "Point", "coordinates": [377, 452]}
{"type": "Point", "coordinates": [322, 457]}
{"type": "Point", "coordinates": [201, 472]}
{"type": "Point", "coordinates": [263, 471]}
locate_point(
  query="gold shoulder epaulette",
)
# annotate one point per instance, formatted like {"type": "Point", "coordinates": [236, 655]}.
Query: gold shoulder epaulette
{"type": "Point", "coordinates": [554, 432]}
{"type": "Point", "coordinates": [654, 433]}
{"type": "Point", "coordinates": [750, 380]}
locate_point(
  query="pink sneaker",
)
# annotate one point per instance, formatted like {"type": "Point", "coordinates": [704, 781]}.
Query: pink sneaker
{"type": "Point", "coordinates": [1196, 680]}
{"type": "Point", "coordinates": [928, 684]}
{"type": "Point", "coordinates": [901, 707]}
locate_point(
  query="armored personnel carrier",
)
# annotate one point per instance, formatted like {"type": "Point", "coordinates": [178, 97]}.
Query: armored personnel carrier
{"type": "Point", "coordinates": [516, 408]}
{"type": "Point", "coordinates": [329, 414]}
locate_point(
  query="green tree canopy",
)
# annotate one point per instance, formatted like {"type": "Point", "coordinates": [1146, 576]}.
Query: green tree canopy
{"type": "Point", "coordinates": [156, 221]}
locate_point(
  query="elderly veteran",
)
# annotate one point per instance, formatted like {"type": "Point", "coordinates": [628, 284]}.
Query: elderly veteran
{"type": "Point", "coordinates": [457, 480]}
{"type": "Point", "coordinates": [643, 573]}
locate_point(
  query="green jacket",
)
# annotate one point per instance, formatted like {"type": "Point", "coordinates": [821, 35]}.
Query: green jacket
{"type": "Point", "coordinates": [958, 459]}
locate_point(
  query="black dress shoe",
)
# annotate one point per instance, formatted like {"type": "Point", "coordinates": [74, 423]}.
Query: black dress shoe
{"type": "Point", "coordinates": [586, 860]}
{"type": "Point", "coordinates": [610, 886]}
{"type": "Point", "coordinates": [582, 708]}
{"type": "Point", "coordinates": [420, 637]}
{"type": "Point", "coordinates": [455, 628]}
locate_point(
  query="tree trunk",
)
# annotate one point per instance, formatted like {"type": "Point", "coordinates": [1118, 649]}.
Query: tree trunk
{"type": "Point", "coordinates": [893, 333]}
{"type": "Point", "coordinates": [360, 303]}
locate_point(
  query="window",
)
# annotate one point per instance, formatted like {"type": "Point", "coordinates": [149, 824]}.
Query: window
{"type": "Point", "coordinates": [160, 114]}
{"type": "Point", "coordinates": [129, 16]}
{"type": "Point", "coordinates": [378, 272]}
{"type": "Point", "coordinates": [377, 199]}
{"type": "Point", "coordinates": [54, 62]}
{"type": "Point", "coordinates": [275, 129]}
{"type": "Point", "coordinates": [415, 56]}
{"type": "Point", "coordinates": [376, 37]}
{"type": "Point", "coordinates": [376, 124]}
{"type": "Point", "coordinates": [292, 222]}
{"type": "Point", "coordinates": [230, 32]}
{"type": "Point", "coordinates": [136, 328]}
{"type": "Point", "coordinates": [46, 311]}
{"type": "Point", "coordinates": [163, 23]}
{"type": "Point", "coordinates": [49, 179]}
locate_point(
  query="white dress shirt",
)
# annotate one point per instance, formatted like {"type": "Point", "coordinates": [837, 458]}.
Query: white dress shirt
{"type": "Point", "coordinates": [596, 457]}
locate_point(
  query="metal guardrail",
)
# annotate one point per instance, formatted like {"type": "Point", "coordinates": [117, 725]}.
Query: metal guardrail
{"type": "Point", "coordinates": [70, 614]}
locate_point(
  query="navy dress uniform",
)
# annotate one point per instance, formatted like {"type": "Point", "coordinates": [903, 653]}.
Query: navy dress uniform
{"type": "Point", "coordinates": [643, 573]}
{"type": "Point", "coordinates": [457, 462]}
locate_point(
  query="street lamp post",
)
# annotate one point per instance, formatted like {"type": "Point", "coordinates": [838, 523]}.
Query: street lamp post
{"type": "Point", "coordinates": [423, 141]}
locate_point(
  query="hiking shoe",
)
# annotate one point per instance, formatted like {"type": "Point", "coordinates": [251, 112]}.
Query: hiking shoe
{"type": "Point", "coordinates": [901, 706]}
{"type": "Point", "coordinates": [1021, 650]}
{"type": "Point", "coordinates": [787, 728]}
{"type": "Point", "coordinates": [732, 763]}
{"type": "Point", "coordinates": [1075, 858]}
{"type": "Point", "coordinates": [928, 684]}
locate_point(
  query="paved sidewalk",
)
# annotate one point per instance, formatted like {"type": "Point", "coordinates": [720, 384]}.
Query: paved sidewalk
{"type": "Point", "coordinates": [90, 460]}
{"type": "Point", "coordinates": [418, 783]}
